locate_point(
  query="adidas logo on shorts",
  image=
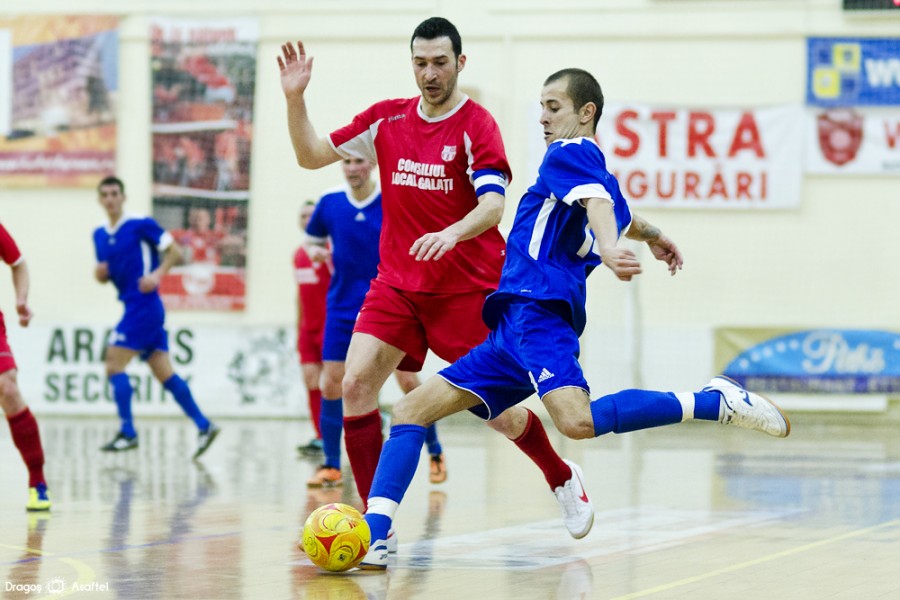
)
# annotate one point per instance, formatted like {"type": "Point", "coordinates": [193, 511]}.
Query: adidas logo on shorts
{"type": "Point", "coordinates": [545, 375]}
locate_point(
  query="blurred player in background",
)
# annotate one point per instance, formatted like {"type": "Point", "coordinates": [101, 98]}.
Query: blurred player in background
{"type": "Point", "coordinates": [22, 424]}
{"type": "Point", "coordinates": [128, 252]}
{"type": "Point", "coordinates": [350, 218]}
{"type": "Point", "coordinates": [444, 174]}
{"type": "Point", "coordinates": [312, 287]}
{"type": "Point", "coordinates": [566, 224]}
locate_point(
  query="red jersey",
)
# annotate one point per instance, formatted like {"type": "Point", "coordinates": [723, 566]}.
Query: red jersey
{"type": "Point", "coordinates": [312, 287]}
{"type": "Point", "coordinates": [9, 251]}
{"type": "Point", "coordinates": [426, 167]}
{"type": "Point", "coordinates": [199, 247]}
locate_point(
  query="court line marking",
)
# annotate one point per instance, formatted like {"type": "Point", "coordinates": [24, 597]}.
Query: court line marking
{"type": "Point", "coordinates": [757, 561]}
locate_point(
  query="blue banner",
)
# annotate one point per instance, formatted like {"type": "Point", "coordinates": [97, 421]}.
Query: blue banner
{"type": "Point", "coordinates": [853, 72]}
{"type": "Point", "coordinates": [827, 361]}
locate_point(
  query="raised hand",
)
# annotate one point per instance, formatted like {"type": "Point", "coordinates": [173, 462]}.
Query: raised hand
{"type": "Point", "coordinates": [295, 68]}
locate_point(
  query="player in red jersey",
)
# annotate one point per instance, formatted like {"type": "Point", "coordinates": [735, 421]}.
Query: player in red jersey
{"type": "Point", "coordinates": [25, 433]}
{"type": "Point", "coordinates": [312, 288]}
{"type": "Point", "coordinates": [443, 175]}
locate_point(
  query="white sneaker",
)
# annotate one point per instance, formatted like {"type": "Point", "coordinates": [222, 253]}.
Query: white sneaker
{"type": "Point", "coordinates": [376, 558]}
{"type": "Point", "coordinates": [392, 542]}
{"type": "Point", "coordinates": [748, 410]}
{"type": "Point", "coordinates": [577, 510]}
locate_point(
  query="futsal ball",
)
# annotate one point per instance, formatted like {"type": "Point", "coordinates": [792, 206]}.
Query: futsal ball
{"type": "Point", "coordinates": [335, 537]}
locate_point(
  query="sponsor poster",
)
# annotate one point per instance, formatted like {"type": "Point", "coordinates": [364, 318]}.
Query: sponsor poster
{"type": "Point", "coordinates": [864, 141]}
{"type": "Point", "coordinates": [232, 371]}
{"type": "Point", "coordinates": [812, 361]}
{"type": "Point", "coordinates": [853, 72]}
{"type": "Point", "coordinates": [58, 91]}
{"type": "Point", "coordinates": [700, 158]}
{"type": "Point", "coordinates": [203, 79]}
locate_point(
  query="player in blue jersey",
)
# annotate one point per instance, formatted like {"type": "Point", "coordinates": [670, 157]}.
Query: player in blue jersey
{"type": "Point", "coordinates": [350, 218]}
{"type": "Point", "coordinates": [134, 253]}
{"type": "Point", "coordinates": [567, 223]}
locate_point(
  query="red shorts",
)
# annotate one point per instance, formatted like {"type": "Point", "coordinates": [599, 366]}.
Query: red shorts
{"type": "Point", "coordinates": [448, 324]}
{"type": "Point", "coordinates": [7, 362]}
{"type": "Point", "coordinates": [309, 345]}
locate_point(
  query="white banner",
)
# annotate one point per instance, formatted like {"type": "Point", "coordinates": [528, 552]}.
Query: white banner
{"type": "Point", "coordinates": [695, 158]}
{"type": "Point", "coordinates": [858, 141]}
{"type": "Point", "coordinates": [232, 371]}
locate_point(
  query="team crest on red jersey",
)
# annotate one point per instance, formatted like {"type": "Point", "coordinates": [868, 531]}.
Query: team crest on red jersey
{"type": "Point", "coordinates": [448, 153]}
{"type": "Point", "coordinates": [840, 135]}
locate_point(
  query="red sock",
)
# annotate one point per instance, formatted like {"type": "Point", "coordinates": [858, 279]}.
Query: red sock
{"type": "Point", "coordinates": [315, 410]}
{"type": "Point", "coordinates": [27, 438]}
{"type": "Point", "coordinates": [362, 436]}
{"type": "Point", "coordinates": [535, 443]}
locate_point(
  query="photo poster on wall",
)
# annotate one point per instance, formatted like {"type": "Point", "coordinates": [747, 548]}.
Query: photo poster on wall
{"type": "Point", "coordinates": [853, 91]}
{"type": "Point", "coordinates": [203, 79]}
{"type": "Point", "coordinates": [58, 92]}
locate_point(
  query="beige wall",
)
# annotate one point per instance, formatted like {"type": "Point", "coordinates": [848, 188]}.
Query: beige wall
{"type": "Point", "coordinates": [833, 262]}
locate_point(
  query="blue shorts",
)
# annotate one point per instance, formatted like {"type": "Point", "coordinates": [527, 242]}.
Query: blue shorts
{"type": "Point", "coordinates": [336, 340]}
{"type": "Point", "coordinates": [142, 328]}
{"type": "Point", "coordinates": [533, 349]}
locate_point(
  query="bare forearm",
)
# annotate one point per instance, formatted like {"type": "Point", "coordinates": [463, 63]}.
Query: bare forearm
{"type": "Point", "coordinates": [484, 216]}
{"type": "Point", "coordinates": [171, 257]}
{"type": "Point", "coordinates": [21, 283]}
{"type": "Point", "coordinates": [312, 152]}
{"type": "Point", "coordinates": [602, 221]}
{"type": "Point", "coordinates": [641, 230]}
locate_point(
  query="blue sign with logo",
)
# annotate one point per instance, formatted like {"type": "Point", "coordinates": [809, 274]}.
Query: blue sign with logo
{"type": "Point", "coordinates": [838, 361]}
{"type": "Point", "coordinates": [853, 72]}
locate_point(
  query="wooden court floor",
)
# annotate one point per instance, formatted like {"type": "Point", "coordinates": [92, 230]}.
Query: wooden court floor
{"type": "Point", "coordinates": [695, 511]}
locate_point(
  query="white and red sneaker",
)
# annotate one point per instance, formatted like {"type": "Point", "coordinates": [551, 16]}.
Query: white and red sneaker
{"type": "Point", "coordinates": [577, 510]}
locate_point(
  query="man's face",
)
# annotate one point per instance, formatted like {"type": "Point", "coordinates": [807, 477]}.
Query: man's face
{"type": "Point", "coordinates": [436, 68]}
{"type": "Point", "coordinates": [558, 115]}
{"type": "Point", "coordinates": [111, 199]}
{"type": "Point", "coordinates": [356, 172]}
{"type": "Point", "coordinates": [199, 220]}
{"type": "Point", "coordinates": [306, 213]}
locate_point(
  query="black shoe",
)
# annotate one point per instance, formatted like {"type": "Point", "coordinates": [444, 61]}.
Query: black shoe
{"type": "Point", "coordinates": [312, 450]}
{"type": "Point", "coordinates": [205, 439]}
{"type": "Point", "coordinates": [120, 443]}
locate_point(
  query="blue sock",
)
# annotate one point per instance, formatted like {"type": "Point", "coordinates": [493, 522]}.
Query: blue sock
{"type": "Point", "coordinates": [432, 441]}
{"type": "Point", "coordinates": [396, 468]}
{"type": "Point", "coordinates": [706, 405]}
{"type": "Point", "coordinates": [331, 422]}
{"type": "Point", "coordinates": [631, 410]}
{"type": "Point", "coordinates": [179, 389]}
{"type": "Point", "coordinates": [122, 393]}
{"type": "Point", "coordinates": [379, 526]}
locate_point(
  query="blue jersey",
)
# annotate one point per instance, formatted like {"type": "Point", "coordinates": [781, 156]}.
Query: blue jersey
{"type": "Point", "coordinates": [354, 227]}
{"type": "Point", "coordinates": [551, 249]}
{"type": "Point", "coordinates": [131, 249]}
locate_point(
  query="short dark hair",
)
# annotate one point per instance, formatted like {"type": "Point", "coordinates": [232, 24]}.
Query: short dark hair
{"type": "Point", "coordinates": [582, 88]}
{"type": "Point", "coordinates": [111, 180]}
{"type": "Point", "coordinates": [436, 27]}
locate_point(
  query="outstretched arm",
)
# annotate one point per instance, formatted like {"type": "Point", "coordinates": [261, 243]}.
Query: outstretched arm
{"type": "Point", "coordinates": [661, 246]}
{"type": "Point", "coordinates": [312, 151]}
{"type": "Point", "coordinates": [487, 214]}
{"type": "Point", "coordinates": [22, 283]}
